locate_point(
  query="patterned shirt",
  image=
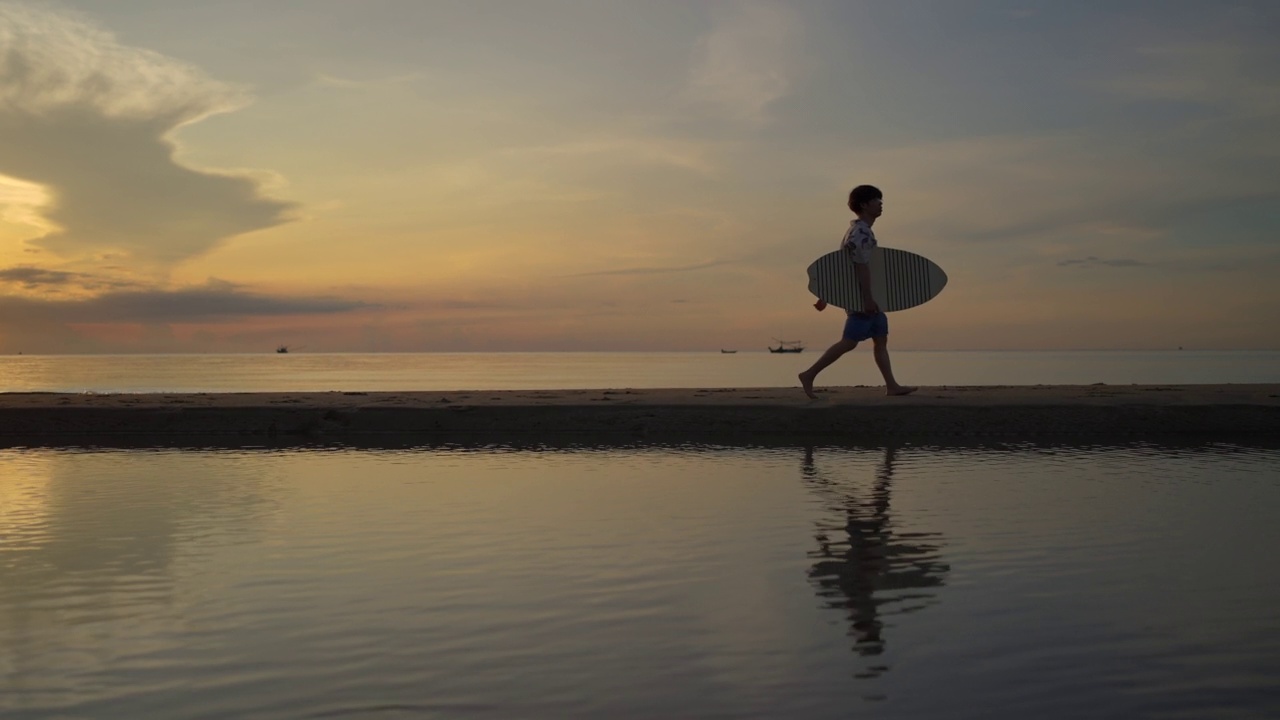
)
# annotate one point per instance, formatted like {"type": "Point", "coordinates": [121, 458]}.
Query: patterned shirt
{"type": "Point", "coordinates": [859, 241]}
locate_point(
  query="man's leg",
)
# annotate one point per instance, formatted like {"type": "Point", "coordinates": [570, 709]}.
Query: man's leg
{"type": "Point", "coordinates": [832, 354]}
{"type": "Point", "coordinates": [881, 353]}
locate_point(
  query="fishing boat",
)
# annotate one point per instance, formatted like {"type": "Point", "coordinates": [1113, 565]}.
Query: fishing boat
{"type": "Point", "coordinates": [282, 349]}
{"type": "Point", "coordinates": [787, 346]}
{"type": "Point", "coordinates": [728, 352]}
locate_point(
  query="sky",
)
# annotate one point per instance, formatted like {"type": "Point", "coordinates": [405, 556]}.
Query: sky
{"type": "Point", "coordinates": [560, 175]}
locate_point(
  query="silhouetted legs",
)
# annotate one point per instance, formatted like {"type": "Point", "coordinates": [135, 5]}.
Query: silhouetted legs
{"type": "Point", "coordinates": [844, 345]}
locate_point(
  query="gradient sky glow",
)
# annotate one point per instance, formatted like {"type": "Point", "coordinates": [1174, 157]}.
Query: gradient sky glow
{"type": "Point", "coordinates": [430, 175]}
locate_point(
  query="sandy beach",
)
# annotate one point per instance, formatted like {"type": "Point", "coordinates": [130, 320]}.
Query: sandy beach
{"type": "Point", "coordinates": [858, 412]}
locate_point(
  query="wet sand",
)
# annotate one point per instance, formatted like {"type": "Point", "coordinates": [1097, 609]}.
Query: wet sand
{"type": "Point", "coordinates": [1222, 411]}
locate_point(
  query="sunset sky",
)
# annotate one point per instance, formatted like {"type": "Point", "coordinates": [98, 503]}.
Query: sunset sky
{"type": "Point", "coordinates": [423, 175]}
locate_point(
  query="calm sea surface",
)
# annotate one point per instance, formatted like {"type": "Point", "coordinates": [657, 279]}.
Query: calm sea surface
{"type": "Point", "coordinates": [533, 371]}
{"type": "Point", "coordinates": [695, 581]}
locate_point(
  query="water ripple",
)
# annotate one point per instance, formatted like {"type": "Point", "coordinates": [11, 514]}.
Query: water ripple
{"type": "Point", "coordinates": [640, 581]}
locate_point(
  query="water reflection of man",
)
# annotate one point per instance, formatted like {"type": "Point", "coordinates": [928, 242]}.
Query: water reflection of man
{"type": "Point", "coordinates": [862, 565]}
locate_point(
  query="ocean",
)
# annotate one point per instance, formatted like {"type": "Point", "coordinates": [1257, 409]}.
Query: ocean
{"type": "Point", "coordinates": [589, 370]}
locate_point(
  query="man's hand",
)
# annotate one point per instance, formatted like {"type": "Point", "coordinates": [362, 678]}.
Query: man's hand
{"type": "Point", "coordinates": [820, 305]}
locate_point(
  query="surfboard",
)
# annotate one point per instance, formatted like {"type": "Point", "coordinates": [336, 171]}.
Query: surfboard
{"type": "Point", "coordinates": [899, 280]}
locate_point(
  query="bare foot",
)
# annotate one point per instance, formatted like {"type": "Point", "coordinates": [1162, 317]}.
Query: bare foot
{"type": "Point", "coordinates": [806, 382]}
{"type": "Point", "coordinates": [901, 390]}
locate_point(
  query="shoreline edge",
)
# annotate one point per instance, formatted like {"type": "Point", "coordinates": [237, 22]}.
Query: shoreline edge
{"type": "Point", "coordinates": [1010, 412]}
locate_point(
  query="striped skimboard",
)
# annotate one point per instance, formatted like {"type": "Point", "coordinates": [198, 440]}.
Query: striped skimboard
{"type": "Point", "coordinates": [899, 280]}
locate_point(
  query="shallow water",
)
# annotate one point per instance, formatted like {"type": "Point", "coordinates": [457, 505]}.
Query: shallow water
{"type": "Point", "coordinates": [639, 582]}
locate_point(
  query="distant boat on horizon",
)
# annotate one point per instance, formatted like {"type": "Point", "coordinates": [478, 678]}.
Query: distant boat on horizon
{"type": "Point", "coordinates": [787, 346]}
{"type": "Point", "coordinates": [728, 352]}
{"type": "Point", "coordinates": [282, 349]}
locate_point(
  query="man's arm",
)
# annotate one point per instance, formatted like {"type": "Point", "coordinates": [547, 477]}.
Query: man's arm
{"type": "Point", "coordinates": [862, 271]}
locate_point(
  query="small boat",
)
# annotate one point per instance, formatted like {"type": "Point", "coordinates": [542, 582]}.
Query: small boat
{"type": "Point", "coordinates": [282, 349]}
{"type": "Point", "coordinates": [787, 346]}
{"type": "Point", "coordinates": [728, 352]}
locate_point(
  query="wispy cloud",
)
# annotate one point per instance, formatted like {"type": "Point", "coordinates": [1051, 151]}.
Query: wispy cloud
{"type": "Point", "coordinates": [1092, 191]}
{"type": "Point", "coordinates": [138, 318]}
{"type": "Point", "coordinates": [92, 122]}
{"type": "Point", "coordinates": [1093, 262]}
{"type": "Point", "coordinates": [21, 201]}
{"type": "Point", "coordinates": [746, 61]}
{"type": "Point", "coordinates": [652, 270]}
{"type": "Point", "coordinates": [36, 278]}
{"type": "Point", "coordinates": [337, 81]}
{"type": "Point", "coordinates": [634, 150]}
{"type": "Point", "coordinates": [1229, 75]}
{"type": "Point", "coordinates": [211, 303]}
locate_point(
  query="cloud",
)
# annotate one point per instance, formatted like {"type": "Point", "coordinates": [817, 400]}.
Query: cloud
{"type": "Point", "coordinates": [343, 83]}
{"type": "Point", "coordinates": [92, 121]}
{"type": "Point", "coordinates": [61, 296]}
{"type": "Point", "coordinates": [1087, 192]}
{"type": "Point", "coordinates": [1224, 74]}
{"type": "Point", "coordinates": [653, 270]}
{"type": "Point", "coordinates": [217, 301]}
{"type": "Point", "coordinates": [20, 203]}
{"type": "Point", "coordinates": [35, 278]}
{"type": "Point", "coordinates": [634, 150]}
{"type": "Point", "coordinates": [1093, 262]}
{"type": "Point", "coordinates": [745, 62]}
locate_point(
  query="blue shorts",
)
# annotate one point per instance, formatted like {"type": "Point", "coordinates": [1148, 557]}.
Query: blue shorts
{"type": "Point", "coordinates": [861, 326]}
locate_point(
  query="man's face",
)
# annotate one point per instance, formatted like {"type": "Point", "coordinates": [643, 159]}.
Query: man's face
{"type": "Point", "coordinates": [873, 208]}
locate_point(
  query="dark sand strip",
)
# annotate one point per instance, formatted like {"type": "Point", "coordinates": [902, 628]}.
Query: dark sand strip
{"type": "Point", "coordinates": [862, 413]}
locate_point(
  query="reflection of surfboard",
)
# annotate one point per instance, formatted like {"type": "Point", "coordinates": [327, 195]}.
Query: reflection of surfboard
{"type": "Point", "coordinates": [899, 280]}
